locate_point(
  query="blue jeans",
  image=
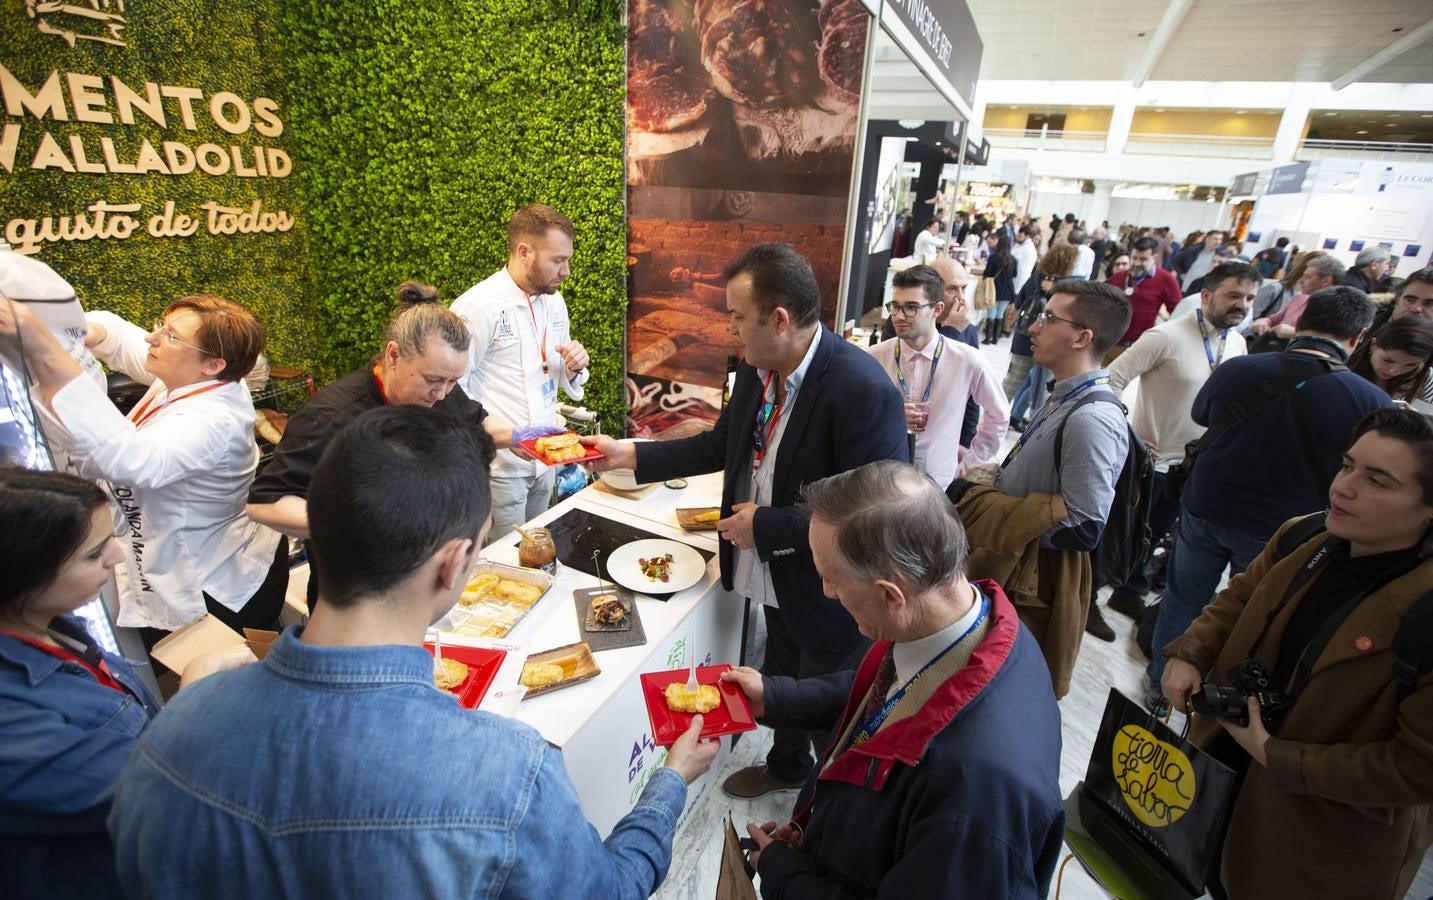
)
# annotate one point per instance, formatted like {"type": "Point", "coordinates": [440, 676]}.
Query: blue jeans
{"type": "Point", "coordinates": [1032, 393]}
{"type": "Point", "coordinates": [1196, 561]}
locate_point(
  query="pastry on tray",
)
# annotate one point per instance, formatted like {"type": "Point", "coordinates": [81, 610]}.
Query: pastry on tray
{"type": "Point", "coordinates": [703, 700]}
{"type": "Point", "coordinates": [540, 674]}
{"type": "Point", "coordinates": [449, 674]}
{"type": "Point", "coordinates": [518, 592]}
{"type": "Point", "coordinates": [560, 447]}
{"type": "Point", "coordinates": [478, 589]}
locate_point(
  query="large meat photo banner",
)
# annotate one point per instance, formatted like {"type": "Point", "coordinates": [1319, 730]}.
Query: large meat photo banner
{"type": "Point", "coordinates": [742, 117]}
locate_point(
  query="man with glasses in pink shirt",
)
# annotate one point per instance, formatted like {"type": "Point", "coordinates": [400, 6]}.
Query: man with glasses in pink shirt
{"type": "Point", "coordinates": [937, 376]}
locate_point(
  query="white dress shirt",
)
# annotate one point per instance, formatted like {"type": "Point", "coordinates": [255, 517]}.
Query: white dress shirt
{"type": "Point", "coordinates": [912, 656]}
{"type": "Point", "coordinates": [961, 375]}
{"type": "Point", "coordinates": [754, 481]}
{"type": "Point", "coordinates": [180, 478]}
{"type": "Point", "coordinates": [505, 362]}
{"type": "Point", "coordinates": [1025, 258]}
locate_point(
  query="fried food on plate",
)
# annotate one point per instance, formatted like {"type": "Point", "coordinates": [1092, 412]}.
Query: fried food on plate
{"type": "Point", "coordinates": [452, 674]}
{"type": "Point", "coordinates": [703, 700]}
{"type": "Point", "coordinates": [540, 674]}
{"type": "Point", "coordinates": [478, 589]}
{"type": "Point", "coordinates": [560, 447]}
{"type": "Point", "coordinates": [707, 517]}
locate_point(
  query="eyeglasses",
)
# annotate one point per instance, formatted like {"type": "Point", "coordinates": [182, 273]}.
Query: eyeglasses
{"type": "Point", "coordinates": [1046, 317]}
{"type": "Point", "coordinates": [908, 310]}
{"type": "Point", "coordinates": [165, 332]}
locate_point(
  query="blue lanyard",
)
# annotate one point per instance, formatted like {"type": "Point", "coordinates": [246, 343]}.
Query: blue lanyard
{"type": "Point", "coordinates": [1047, 413]}
{"type": "Point", "coordinates": [876, 721]}
{"type": "Point", "coordinates": [1209, 351]}
{"type": "Point", "coordinates": [935, 361]}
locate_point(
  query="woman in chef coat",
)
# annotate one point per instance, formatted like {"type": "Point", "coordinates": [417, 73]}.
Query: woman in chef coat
{"type": "Point", "coordinates": [178, 466]}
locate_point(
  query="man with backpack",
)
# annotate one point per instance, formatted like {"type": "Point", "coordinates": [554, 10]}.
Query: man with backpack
{"type": "Point", "coordinates": [1172, 362]}
{"type": "Point", "coordinates": [1276, 423]}
{"type": "Point", "coordinates": [1075, 449]}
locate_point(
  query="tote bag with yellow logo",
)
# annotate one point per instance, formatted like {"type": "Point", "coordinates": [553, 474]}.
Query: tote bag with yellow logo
{"type": "Point", "coordinates": [1168, 799]}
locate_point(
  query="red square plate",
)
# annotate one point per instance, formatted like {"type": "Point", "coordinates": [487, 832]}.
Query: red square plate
{"type": "Point", "coordinates": [732, 716]}
{"type": "Point", "coordinates": [483, 665]}
{"type": "Point", "coordinates": [530, 445]}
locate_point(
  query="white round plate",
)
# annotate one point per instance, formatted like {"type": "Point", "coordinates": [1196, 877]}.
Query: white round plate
{"type": "Point", "coordinates": [688, 566]}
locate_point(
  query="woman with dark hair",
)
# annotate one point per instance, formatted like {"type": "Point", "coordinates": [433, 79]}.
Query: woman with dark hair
{"type": "Point", "coordinates": [1399, 358]}
{"type": "Point", "coordinates": [1119, 262]}
{"type": "Point", "coordinates": [1336, 784]}
{"type": "Point", "coordinates": [71, 712]}
{"type": "Point", "coordinates": [1000, 268]}
{"type": "Point", "coordinates": [179, 464]}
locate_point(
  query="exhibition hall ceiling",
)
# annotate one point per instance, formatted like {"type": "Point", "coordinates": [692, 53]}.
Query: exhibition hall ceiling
{"type": "Point", "coordinates": [1214, 40]}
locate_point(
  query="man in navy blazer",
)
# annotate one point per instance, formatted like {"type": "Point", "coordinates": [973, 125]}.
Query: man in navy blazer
{"type": "Point", "coordinates": [806, 405]}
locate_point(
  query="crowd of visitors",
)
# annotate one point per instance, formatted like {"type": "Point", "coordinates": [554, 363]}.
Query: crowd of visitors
{"type": "Point", "coordinates": [924, 590]}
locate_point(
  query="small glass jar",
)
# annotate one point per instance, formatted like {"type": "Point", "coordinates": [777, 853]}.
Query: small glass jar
{"type": "Point", "coordinates": [536, 550]}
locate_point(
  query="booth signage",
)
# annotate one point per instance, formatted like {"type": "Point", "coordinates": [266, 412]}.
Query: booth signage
{"type": "Point", "coordinates": [1288, 179]}
{"type": "Point", "coordinates": [1243, 185]}
{"type": "Point", "coordinates": [77, 123]}
{"type": "Point", "coordinates": [941, 39]}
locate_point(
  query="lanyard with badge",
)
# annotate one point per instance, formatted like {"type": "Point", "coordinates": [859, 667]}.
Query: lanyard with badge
{"type": "Point", "coordinates": [1214, 360]}
{"type": "Point", "coordinates": [766, 419]}
{"type": "Point", "coordinates": [1132, 285]}
{"type": "Point", "coordinates": [549, 384]}
{"type": "Point", "coordinates": [930, 382]}
{"type": "Point", "coordinates": [144, 413]}
{"type": "Point", "coordinates": [878, 719]}
{"type": "Point", "coordinates": [1050, 410]}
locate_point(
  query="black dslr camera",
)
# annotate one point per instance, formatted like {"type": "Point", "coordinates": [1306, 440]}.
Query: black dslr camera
{"type": "Point", "coordinates": [1231, 701]}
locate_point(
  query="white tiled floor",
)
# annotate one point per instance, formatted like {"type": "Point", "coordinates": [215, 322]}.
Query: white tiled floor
{"type": "Point", "coordinates": [1101, 665]}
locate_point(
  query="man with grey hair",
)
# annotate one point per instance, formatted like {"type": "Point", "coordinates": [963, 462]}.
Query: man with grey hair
{"type": "Point", "coordinates": [941, 778]}
{"type": "Point", "coordinates": [1368, 269]}
{"type": "Point", "coordinates": [1321, 272]}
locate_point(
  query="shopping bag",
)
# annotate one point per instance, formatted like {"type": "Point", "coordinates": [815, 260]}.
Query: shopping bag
{"type": "Point", "coordinates": [733, 879]}
{"type": "Point", "coordinates": [1155, 802]}
{"type": "Point", "coordinates": [985, 294]}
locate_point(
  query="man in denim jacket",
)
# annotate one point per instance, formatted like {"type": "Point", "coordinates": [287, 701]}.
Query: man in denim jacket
{"type": "Point", "coordinates": [334, 768]}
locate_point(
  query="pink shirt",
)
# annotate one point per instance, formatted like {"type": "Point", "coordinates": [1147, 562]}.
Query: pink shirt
{"type": "Point", "coordinates": [1291, 312]}
{"type": "Point", "coordinates": [962, 374]}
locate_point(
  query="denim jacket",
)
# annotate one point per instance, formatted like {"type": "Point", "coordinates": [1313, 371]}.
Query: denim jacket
{"type": "Point", "coordinates": [64, 738]}
{"type": "Point", "coordinates": [343, 772]}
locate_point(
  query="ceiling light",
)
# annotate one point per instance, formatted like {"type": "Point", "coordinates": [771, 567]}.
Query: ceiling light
{"type": "Point", "coordinates": [1390, 125]}
{"type": "Point", "coordinates": [910, 124]}
{"type": "Point", "coordinates": [1330, 114]}
{"type": "Point", "coordinates": [1363, 132]}
{"type": "Point", "coordinates": [1241, 112]}
{"type": "Point", "coordinates": [1159, 110]}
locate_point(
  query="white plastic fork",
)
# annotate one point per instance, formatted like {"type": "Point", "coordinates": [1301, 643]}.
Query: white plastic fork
{"type": "Point", "coordinates": [692, 674]}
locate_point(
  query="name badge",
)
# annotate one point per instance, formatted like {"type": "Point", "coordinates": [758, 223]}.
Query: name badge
{"type": "Point", "coordinates": [549, 391]}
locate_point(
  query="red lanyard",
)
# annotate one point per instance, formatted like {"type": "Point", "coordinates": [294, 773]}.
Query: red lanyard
{"type": "Point", "coordinates": [542, 347]}
{"type": "Point", "coordinates": [100, 672]}
{"type": "Point", "coordinates": [382, 391]}
{"type": "Point", "coordinates": [767, 409]}
{"type": "Point", "coordinates": [144, 413]}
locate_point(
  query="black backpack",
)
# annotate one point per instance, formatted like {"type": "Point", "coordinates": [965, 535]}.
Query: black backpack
{"type": "Point", "coordinates": [1412, 642]}
{"type": "Point", "coordinates": [1126, 538]}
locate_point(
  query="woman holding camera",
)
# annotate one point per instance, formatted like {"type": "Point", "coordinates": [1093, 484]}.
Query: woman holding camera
{"type": "Point", "coordinates": [1336, 788]}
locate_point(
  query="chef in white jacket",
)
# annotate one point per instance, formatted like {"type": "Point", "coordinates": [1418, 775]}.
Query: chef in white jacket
{"type": "Point", "coordinates": [179, 465]}
{"type": "Point", "coordinates": [522, 352]}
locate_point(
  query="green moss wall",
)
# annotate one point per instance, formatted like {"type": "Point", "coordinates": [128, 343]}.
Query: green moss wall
{"type": "Point", "coordinates": [415, 130]}
{"type": "Point", "coordinates": [212, 46]}
{"type": "Point", "coordinates": [422, 126]}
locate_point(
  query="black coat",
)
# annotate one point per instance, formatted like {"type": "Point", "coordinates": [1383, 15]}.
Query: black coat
{"type": "Point", "coordinates": [847, 413]}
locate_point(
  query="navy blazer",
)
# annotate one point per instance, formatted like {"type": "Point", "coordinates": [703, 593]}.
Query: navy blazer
{"type": "Point", "coordinates": [846, 414]}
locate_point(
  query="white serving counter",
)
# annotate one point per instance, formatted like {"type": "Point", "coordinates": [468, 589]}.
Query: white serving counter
{"type": "Point", "coordinates": [601, 726]}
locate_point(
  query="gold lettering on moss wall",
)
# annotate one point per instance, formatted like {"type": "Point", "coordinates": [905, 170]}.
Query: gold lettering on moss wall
{"type": "Point", "coordinates": [117, 221]}
{"type": "Point", "coordinates": [76, 97]}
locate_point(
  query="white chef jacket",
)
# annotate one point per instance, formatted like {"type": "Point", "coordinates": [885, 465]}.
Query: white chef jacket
{"type": "Point", "coordinates": [180, 479]}
{"type": "Point", "coordinates": [1025, 258]}
{"type": "Point", "coordinates": [928, 247]}
{"type": "Point", "coordinates": [505, 361]}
